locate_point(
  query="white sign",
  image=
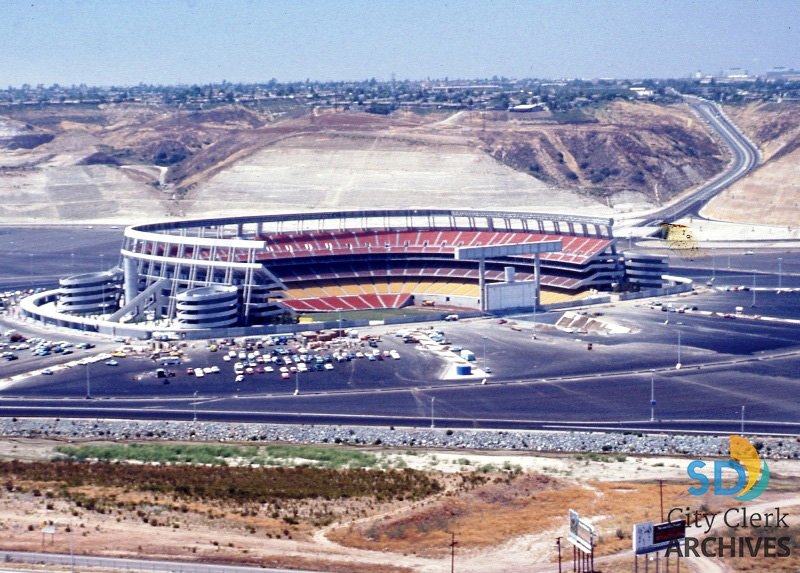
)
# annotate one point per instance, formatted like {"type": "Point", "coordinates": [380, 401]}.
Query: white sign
{"type": "Point", "coordinates": [649, 537]}
{"type": "Point", "coordinates": [581, 532]}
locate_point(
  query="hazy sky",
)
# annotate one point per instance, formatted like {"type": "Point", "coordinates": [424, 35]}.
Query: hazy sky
{"type": "Point", "coordinates": [198, 41]}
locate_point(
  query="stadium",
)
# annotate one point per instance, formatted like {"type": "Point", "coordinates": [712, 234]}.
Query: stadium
{"type": "Point", "coordinates": [258, 270]}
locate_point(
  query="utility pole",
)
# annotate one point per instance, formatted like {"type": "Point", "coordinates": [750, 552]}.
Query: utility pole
{"type": "Point", "coordinates": [453, 544]}
{"type": "Point", "coordinates": [71, 549]}
{"type": "Point", "coordinates": [754, 289]}
{"type": "Point", "coordinates": [88, 384]}
{"type": "Point", "coordinates": [678, 365]}
{"type": "Point", "coordinates": [433, 399]}
{"type": "Point", "coordinates": [194, 407]}
{"type": "Point", "coordinates": [558, 544]}
{"type": "Point", "coordinates": [780, 272]}
{"type": "Point", "coordinates": [661, 497]}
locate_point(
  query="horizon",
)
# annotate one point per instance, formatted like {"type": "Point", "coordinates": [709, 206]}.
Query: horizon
{"type": "Point", "coordinates": [202, 42]}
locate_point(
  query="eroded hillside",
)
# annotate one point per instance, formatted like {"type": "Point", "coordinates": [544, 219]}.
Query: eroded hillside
{"type": "Point", "coordinates": [137, 161]}
{"type": "Point", "coordinates": [645, 149]}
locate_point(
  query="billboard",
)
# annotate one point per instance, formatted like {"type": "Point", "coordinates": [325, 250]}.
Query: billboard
{"type": "Point", "coordinates": [581, 532]}
{"type": "Point", "coordinates": [649, 537]}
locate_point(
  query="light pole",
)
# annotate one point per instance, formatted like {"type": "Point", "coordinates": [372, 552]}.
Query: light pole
{"type": "Point", "coordinates": [88, 384]}
{"type": "Point", "coordinates": [754, 289]}
{"type": "Point", "coordinates": [678, 365]}
{"type": "Point", "coordinates": [30, 267]}
{"type": "Point", "coordinates": [741, 432]}
{"type": "Point", "coordinates": [484, 352]}
{"type": "Point", "coordinates": [433, 399]}
{"type": "Point", "coordinates": [713, 264]}
{"type": "Point", "coordinates": [101, 261]}
{"type": "Point", "coordinates": [297, 383]}
{"type": "Point", "coordinates": [652, 399]}
{"type": "Point", "coordinates": [780, 272]}
{"type": "Point", "coordinates": [194, 407]}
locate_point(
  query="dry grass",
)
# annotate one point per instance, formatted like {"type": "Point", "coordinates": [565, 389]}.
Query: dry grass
{"type": "Point", "coordinates": [507, 507]}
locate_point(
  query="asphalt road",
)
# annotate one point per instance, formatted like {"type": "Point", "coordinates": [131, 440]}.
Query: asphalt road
{"type": "Point", "coordinates": [546, 383]}
{"type": "Point", "coordinates": [77, 562]}
{"type": "Point", "coordinates": [745, 157]}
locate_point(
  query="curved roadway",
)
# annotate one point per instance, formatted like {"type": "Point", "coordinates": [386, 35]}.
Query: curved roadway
{"type": "Point", "coordinates": [745, 157]}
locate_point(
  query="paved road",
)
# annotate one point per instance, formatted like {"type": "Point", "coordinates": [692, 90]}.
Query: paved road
{"type": "Point", "coordinates": [745, 157]}
{"type": "Point", "coordinates": [78, 562]}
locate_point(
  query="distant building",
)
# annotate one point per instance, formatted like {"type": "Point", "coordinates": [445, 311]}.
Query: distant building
{"type": "Point", "coordinates": [642, 92]}
{"type": "Point", "coordinates": [527, 107]}
{"type": "Point", "coordinates": [783, 73]}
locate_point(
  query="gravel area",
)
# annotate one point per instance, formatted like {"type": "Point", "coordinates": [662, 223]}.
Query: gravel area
{"type": "Point", "coordinates": [520, 441]}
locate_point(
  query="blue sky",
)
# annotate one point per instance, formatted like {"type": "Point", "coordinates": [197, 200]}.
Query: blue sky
{"type": "Point", "coordinates": [198, 41]}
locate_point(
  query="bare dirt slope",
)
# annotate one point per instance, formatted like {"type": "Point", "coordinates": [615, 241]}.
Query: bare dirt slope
{"type": "Point", "coordinates": [329, 171]}
{"type": "Point", "coordinates": [128, 162]}
{"type": "Point", "coordinates": [771, 194]}
{"type": "Point", "coordinates": [643, 151]}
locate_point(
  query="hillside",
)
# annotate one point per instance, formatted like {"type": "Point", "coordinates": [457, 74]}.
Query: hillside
{"type": "Point", "coordinates": [129, 162]}
{"type": "Point", "coordinates": [771, 194]}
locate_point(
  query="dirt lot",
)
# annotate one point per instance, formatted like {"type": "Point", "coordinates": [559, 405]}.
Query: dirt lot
{"type": "Point", "coordinates": [506, 511]}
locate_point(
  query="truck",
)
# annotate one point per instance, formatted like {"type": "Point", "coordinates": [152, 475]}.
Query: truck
{"type": "Point", "coordinates": [468, 355]}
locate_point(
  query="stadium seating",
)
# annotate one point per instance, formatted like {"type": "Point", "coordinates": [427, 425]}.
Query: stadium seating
{"type": "Point", "coordinates": [349, 302]}
{"type": "Point", "coordinates": [325, 243]}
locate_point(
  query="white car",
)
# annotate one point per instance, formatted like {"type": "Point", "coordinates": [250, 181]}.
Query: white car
{"type": "Point", "coordinates": [214, 369]}
{"type": "Point", "coordinates": [226, 358]}
{"type": "Point", "coordinates": [198, 372]}
{"type": "Point", "coordinates": [328, 366]}
{"type": "Point", "coordinates": [239, 378]}
{"type": "Point", "coordinates": [269, 369]}
{"type": "Point", "coordinates": [111, 362]}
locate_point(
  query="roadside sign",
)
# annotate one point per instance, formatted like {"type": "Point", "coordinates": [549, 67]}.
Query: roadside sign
{"type": "Point", "coordinates": [581, 532]}
{"type": "Point", "coordinates": [649, 537]}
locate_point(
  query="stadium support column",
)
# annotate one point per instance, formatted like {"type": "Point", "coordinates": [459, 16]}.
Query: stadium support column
{"type": "Point", "coordinates": [482, 282]}
{"type": "Point", "coordinates": [537, 275]}
{"type": "Point", "coordinates": [130, 268]}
